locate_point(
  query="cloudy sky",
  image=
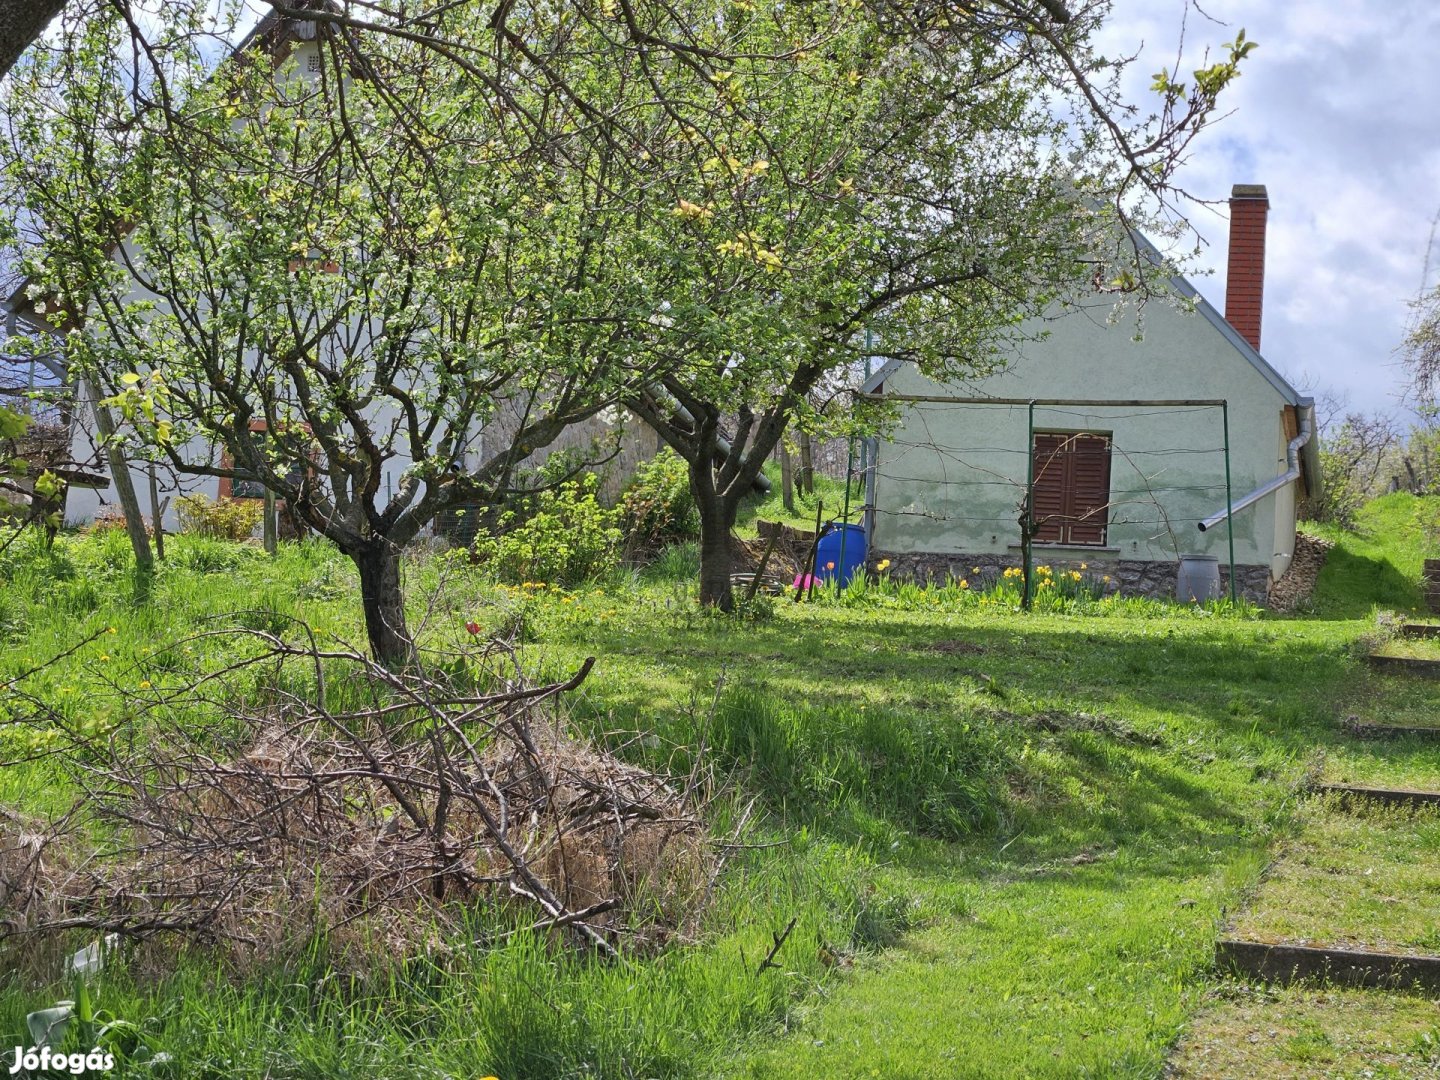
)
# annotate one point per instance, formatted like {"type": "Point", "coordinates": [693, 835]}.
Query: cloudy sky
{"type": "Point", "coordinates": [1338, 114]}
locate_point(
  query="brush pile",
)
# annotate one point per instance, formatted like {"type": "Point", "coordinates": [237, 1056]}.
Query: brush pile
{"type": "Point", "coordinates": [386, 826]}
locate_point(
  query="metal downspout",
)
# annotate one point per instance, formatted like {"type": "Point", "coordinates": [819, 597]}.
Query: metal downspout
{"type": "Point", "coordinates": [1229, 502]}
{"type": "Point", "coordinates": [1290, 475]}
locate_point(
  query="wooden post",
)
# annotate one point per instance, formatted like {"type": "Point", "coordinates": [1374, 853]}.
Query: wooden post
{"type": "Point", "coordinates": [269, 524]}
{"type": "Point", "coordinates": [764, 562]}
{"type": "Point", "coordinates": [124, 486]}
{"type": "Point", "coordinates": [157, 514]}
{"type": "Point", "coordinates": [807, 569]}
{"type": "Point", "coordinates": [787, 478]}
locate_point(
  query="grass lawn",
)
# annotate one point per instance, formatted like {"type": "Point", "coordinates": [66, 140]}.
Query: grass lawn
{"type": "Point", "coordinates": [1008, 841]}
{"type": "Point", "coordinates": [1360, 876]}
{"type": "Point", "coordinates": [1243, 1032]}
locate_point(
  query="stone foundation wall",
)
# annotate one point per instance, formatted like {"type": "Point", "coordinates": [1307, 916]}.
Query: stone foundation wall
{"type": "Point", "coordinates": [1128, 577]}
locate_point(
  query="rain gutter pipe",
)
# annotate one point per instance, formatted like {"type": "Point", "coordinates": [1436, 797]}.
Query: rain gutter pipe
{"type": "Point", "coordinates": [1290, 475]}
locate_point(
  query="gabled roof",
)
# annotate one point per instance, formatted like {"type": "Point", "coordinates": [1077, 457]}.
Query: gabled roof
{"type": "Point", "coordinates": [1181, 287]}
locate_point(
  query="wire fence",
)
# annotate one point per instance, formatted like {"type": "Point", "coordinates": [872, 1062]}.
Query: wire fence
{"type": "Point", "coordinates": [960, 476]}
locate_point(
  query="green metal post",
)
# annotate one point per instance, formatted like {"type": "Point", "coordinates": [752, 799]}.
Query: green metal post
{"type": "Point", "coordinates": [845, 514]}
{"type": "Point", "coordinates": [1229, 517]}
{"type": "Point", "coordinates": [1029, 525]}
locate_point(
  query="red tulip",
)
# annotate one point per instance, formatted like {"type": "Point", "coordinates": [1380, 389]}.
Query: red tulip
{"type": "Point", "coordinates": [473, 627]}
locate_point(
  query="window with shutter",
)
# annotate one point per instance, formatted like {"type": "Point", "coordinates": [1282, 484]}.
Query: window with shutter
{"type": "Point", "coordinates": [1072, 487]}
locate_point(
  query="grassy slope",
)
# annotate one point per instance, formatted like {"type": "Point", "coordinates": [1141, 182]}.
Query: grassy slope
{"type": "Point", "coordinates": [1380, 562]}
{"type": "Point", "coordinates": [1349, 875]}
{"type": "Point", "coordinates": [1061, 809]}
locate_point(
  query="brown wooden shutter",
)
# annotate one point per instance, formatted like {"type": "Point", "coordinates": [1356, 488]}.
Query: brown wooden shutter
{"type": "Point", "coordinates": [1050, 486]}
{"type": "Point", "coordinates": [1072, 488]}
{"type": "Point", "coordinates": [1090, 463]}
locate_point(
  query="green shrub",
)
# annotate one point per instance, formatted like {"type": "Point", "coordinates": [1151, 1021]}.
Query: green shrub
{"type": "Point", "coordinates": [568, 539]}
{"type": "Point", "coordinates": [222, 519]}
{"type": "Point", "coordinates": [657, 505]}
{"type": "Point", "coordinates": [675, 562]}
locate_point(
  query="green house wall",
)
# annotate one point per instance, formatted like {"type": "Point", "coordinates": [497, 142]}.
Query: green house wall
{"type": "Point", "coordinates": [949, 479]}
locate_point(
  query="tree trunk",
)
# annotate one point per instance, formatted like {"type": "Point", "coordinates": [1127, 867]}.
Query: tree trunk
{"type": "Point", "coordinates": [124, 487]}
{"type": "Point", "coordinates": [716, 555]}
{"type": "Point", "coordinates": [384, 603]}
{"type": "Point", "coordinates": [21, 22]}
{"type": "Point", "coordinates": [807, 465]}
{"type": "Point", "coordinates": [787, 479]}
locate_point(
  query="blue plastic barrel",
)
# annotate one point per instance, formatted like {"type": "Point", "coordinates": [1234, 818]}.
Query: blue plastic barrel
{"type": "Point", "coordinates": [846, 563]}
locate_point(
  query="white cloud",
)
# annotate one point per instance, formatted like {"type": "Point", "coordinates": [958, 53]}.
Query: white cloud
{"type": "Point", "coordinates": [1333, 113]}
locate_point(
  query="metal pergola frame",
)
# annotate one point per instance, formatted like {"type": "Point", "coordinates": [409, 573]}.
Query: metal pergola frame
{"type": "Point", "coordinates": [1107, 403]}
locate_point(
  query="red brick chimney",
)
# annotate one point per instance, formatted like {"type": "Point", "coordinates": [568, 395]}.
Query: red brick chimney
{"type": "Point", "coordinates": [1245, 279]}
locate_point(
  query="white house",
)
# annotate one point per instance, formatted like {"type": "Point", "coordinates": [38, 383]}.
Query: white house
{"type": "Point", "coordinates": [294, 47]}
{"type": "Point", "coordinates": [1139, 442]}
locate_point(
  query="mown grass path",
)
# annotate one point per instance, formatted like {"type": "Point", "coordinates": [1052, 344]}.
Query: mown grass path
{"type": "Point", "coordinates": [1144, 766]}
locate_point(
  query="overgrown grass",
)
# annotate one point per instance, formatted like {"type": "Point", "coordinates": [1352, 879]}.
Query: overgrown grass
{"type": "Point", "coordinates": [527, 1009]}
{"type": "Point", "coordinates": [1007, 841]}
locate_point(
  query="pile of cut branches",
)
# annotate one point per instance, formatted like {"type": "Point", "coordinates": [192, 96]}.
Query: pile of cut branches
{"type": "Point", "coordinates": [390, 825]}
